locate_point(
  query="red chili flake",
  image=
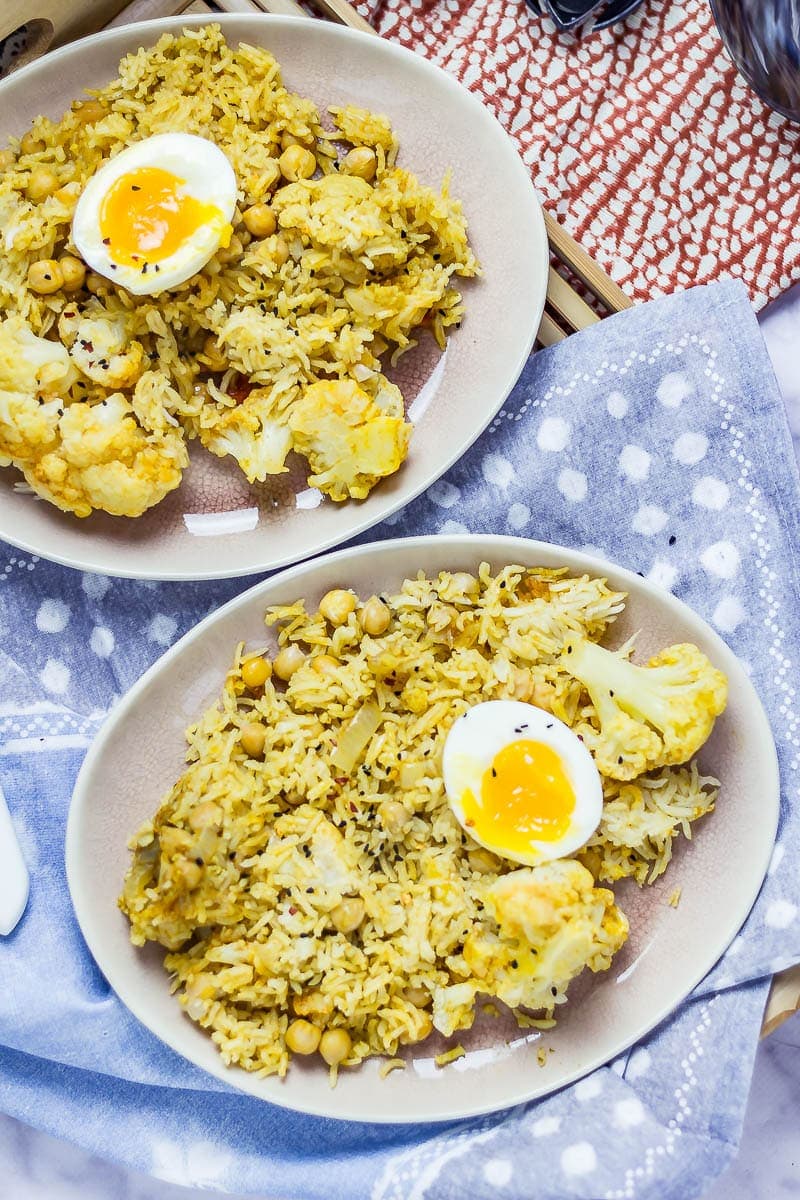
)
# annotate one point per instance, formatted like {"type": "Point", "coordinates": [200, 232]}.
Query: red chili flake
{"type": "Point", "coordinates": [470, 823]}
{"type": "Point", "coordinates": [240, 388]}
{"type": "Point", "coordinates": [353, 807]}
{"type": "Point", "coordinates": [292, 909]}
{"type": "Point", "coordinates": [341, 780]}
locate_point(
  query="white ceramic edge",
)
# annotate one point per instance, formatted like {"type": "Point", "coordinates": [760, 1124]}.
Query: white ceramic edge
{"type": "Point", "coordinates": [538, 229]}
{"type": "Point", "coordinates": [497, 546]}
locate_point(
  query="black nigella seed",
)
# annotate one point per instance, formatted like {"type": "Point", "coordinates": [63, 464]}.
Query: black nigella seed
{"type": "Point", "coordinates": [199, 862]}
{"type": "Point", "coordinates": [549, 725]}
{"type": "Point", "coordinates": [514, 964]}
{"type": "Point", "coordinates": [113, 266]}
{"type": "Point", "coordinates": [611, 693]}
{"type": "Point", "coordinates": [672, 540]}
{"type": "Point", "coordinates": [106, 241]}
{"type": "Point", "coordinates": [554, 990]}
{"type": "Point", "coordinates": [135, 188]}
{"type": "Point", "coordinates": [494, 773]}
{"type": "Point", "coordinates": [157, 267]}
{"type": "Point", "coordinates": [48, 277]}
{"type": "Point", "coordinates": [619, 760]}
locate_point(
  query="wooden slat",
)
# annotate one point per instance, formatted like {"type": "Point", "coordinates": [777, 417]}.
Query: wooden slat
{"type": "Point", "coordinates": [567, 304]}
{"type": "Point", "coordinates": [345, 14]}
{"type": "Point", "coordinates": [283, 8]}
{"type": "Point", "coordinates": [576, 258]}
{"type": "Point", "coordinates": [550, 332]}
{"type": "Point", "coordinates": [148, 10]}
{"type": "Point", "coordinates": [69, 18]}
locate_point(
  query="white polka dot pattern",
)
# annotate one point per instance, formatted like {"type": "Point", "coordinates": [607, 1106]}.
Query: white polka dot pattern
{"type": "Point", "coordinates": [649, 450]}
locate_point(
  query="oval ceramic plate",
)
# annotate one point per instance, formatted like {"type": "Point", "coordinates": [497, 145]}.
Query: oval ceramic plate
{"type": "Point", "coordinates": [215, 524]}
{"type": "Point", "coordinates": [140, 753]}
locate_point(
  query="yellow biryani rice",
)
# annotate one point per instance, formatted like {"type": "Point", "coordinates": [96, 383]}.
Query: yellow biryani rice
{"type": "Point", "coordinates": [279, 343]}
{"type": "Point", "coordinates": [306, 873]}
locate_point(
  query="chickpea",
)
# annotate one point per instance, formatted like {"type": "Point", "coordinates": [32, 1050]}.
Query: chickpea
{"type": "Point", "coordinates": [287, 661]}
{"type": "Point", "coordinates": [96, 284]}
{"type": "Point", "coordinates": [279, 250]}
{"type": "Point", "coordinates": [41, 184]}
{"type": "Point", "coordinates": [45, 276]}
{"type": "Point", "coordinates": [420, 997]}
{"type": "Point", "coordinates": [188, 872]}
{"type": "Point", "coordinates": [259, 220]}
{"type": "Point", "coordinates": [521, 683]}
{"type": "Point", "coordinates": [297, 163]}
{"type": "Point", "coordinates": [325, 664]}
{"type": "Point", "coordinates": [361, 161]}
{"type": "Point", "coordinates": [394, 817]}
{"type": "Point", "coordinates": [302, 1037]}
{"type": "Point", "coordinates": [7, 159]}
{"type": "Point", "coordinates": [74, 272]}
{"type": "Point", "coordinates": [375, 617]}
{"type": "Point", "coordinates": [335, 1045]}
{"type": "Point", "coordinates": [336, 606]}
{"type": "Point", "coordinates": [482, 861]}
{"type": "Point", "coordinates": [89, 111]}
{"type": "Point", "coordinates": [211, 351]}
{"type": "Point", "coordinates": [205, 815]}
{"type": "Point", "coordinates": [348, 914]}
{"type": "Point", "coordinates": [252, 738]}
{"type": "Point", "coordinates": [255, 672]}
{"type": "Point", "coordinates": [29, 143]}
{"type": "Point", "coordinates": [296, 139]}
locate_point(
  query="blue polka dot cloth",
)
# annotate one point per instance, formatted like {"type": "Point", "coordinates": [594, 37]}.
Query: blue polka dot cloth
{"type": "Point", "coordinates": [657, 438]}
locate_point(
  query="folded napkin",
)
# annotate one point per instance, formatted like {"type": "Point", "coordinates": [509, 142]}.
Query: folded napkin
{"type": "Point", "coordinates": [658, 438]}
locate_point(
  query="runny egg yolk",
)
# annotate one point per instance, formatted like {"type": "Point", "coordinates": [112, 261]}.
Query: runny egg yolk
{"type": "Point", "coordinates": [145, 217]}
{"type": "Point", "coordinates": [526, 796]}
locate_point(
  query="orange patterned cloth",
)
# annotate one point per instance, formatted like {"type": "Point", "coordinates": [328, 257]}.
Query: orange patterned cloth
{"type": "Point", "coordinates": [641, 139]}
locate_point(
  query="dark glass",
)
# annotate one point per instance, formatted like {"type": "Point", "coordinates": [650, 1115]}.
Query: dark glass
{"type": "Point", "coordinates": [569, 14]}
{"type": "Point", "coordinates": [763, 39]}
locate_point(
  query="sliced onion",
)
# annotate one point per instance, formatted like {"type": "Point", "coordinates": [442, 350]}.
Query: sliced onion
{"type": "Point", "coordinates": [356, 736]}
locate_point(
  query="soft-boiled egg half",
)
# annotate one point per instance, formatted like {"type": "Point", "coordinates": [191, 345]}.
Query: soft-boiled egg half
{"type": "Point", "coordinates": [520, 782]}
{"type": "Point", "coordinates": [154, 215]}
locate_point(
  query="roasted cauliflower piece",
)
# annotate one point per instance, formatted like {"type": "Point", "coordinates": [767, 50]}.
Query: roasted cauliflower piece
{"type": "Point", "coordinates": [104, 459]}
{"type": "Point", "coordinates": [646, 717]}
{"type": "Point", "coordinates": [549, 922]}
{"type": "Point", "coordinates": [251, 432]}
{"type": "Point", "coordinates": [32, 364]}
{"type": "Point", "coordinates": [35, 377]}
{"type": "Point", "coordinates": [350, 440]}
{"type": "Point", "coordinates": [99, 346]}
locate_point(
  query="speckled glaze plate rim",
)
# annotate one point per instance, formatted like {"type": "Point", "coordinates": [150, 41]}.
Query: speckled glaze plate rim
{"type": "Point", "coordinates": [497, 548]}
{"type": "Point", "coordinates": [508, 377]}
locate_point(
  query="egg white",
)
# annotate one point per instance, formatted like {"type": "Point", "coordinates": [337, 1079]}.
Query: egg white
{"type": "Point", "coordinates": [208, 176]}
{"type": "Point", "coordinates": [482, 732]}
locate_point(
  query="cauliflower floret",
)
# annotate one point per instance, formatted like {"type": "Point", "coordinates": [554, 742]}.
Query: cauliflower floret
{"type": "Point", "coordinates": [350, 440]}
{"type": "Point", "coordinates": [252, 432]}
{"type": "Point", "coordinates": [28, 426]}
{"type": "Point", "coordinates": [105, 460]}
{"type": "Point", "coordinates": [650, 716]}
{"type": "Point", "coordinates": [35, 375]}
{"type": "Point", "coordinates": [550, 923]}
{"type": "Point", "coordinates": [32, 364]}
{"type": "Point", "coordinates": [98, 344]}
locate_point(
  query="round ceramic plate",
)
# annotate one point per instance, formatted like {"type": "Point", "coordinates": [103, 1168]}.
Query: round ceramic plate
{"type": "Point", "coordinates": [216, 524]}
{"type": "Point", "coordinates": [140, 753]}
